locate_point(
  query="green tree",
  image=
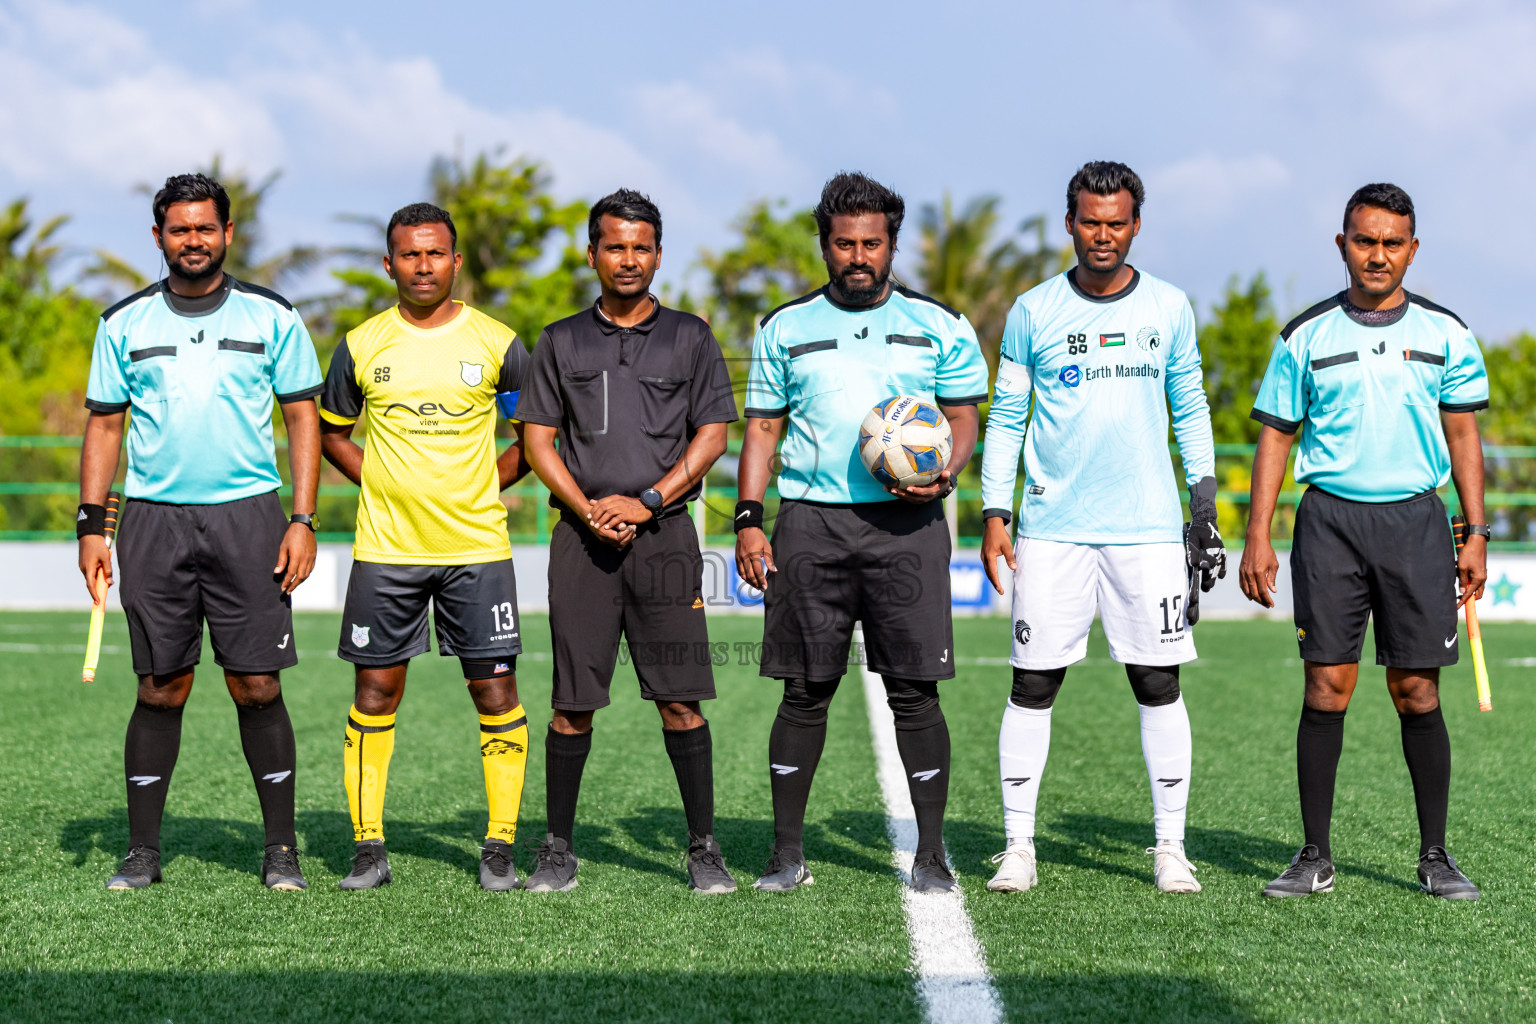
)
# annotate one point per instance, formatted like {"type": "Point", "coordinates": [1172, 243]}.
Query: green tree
{"type": "Point", "coordinates": [509, 223]}
{"type": "Point", "coordinates": [777, 258]}
{"type": "Point", "coordinates": [523, 260]}
{"type": "Point", "coordinates": [244, 258]}
{"type": "Point", "coordinates": [45, 357]}
{"type": "Point", "coordinates": [1235, 345]}
{"type": "Point", "coordinates": [963, 266]}
{"type": "Point", "coordinates": [1508, 421]}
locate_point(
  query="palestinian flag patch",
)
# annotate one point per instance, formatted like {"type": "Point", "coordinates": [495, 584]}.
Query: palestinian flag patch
{"type": "Point", "coordinates": [1111, 340]}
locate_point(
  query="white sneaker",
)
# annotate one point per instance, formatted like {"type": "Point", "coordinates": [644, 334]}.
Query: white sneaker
{"type": "Point", "coordinates": [1015, 867]}
{"type": "Point", "coordinates": [1171, 869]}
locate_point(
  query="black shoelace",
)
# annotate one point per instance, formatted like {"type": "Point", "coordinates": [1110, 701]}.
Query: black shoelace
{"type": "Point", "coordinates": [284, 860]}
{"type": "Point", "coordinates": [499, 859]}
{"type": "Point", "coordinates": [140, 861]}
{"type": "Point", "coordinates": [366, 860]}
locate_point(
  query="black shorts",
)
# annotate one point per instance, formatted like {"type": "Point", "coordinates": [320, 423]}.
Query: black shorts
{"type": "Point", "coordinates": [650, 593]}
{"type": "Point", "coordinates": [885, 564]}
{"type": "Point", "coordinates": [1393, 562]}
{"type": "Point", "coordinates": [475, 608]}
{"type": "Point", "coordinates": [181, 564]}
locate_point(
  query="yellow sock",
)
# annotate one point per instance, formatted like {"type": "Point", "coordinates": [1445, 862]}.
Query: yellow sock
{"type": "Point", "coordinates": [370, 742]}
{"type": "Point", "coordinates": [504, 756]}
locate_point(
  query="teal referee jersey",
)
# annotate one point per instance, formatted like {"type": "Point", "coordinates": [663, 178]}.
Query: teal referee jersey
{"type": "Point", "coordinates": [825, 365]}
{"type": "Point", "coordinates": [1370, 396]}
{"type": "Point", "coordinates": [200, 376]}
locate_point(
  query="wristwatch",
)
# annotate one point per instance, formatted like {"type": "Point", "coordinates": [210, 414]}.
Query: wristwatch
{"type": "Point", "coordinates": [1479, 530]}
{"type": "Point", "coordinates": [303, 519]}
{"type": "Point", "coordinates": [651, 499]}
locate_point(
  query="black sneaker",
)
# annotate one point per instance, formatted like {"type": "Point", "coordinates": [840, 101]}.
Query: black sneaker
{"type": "Point", "coordinates": [370, 867]}
{"type": "Point", "coordinates": [931, 874]}
{"type": "Point", "coordinates": [1309, 872]}
{"type": "Point", "coordinates": [141, 869]}
{"type": "Point", "coordinates": [497, 872]}
{"type": "Point", "coordinates": [786, 871]}
{"type": "Point", "coordinates": [706, 866]}
{"type": "Point", "coordinates": [1439, 876]}
{"type": "Point", "coordinates": [554, 868]}
{"type": "Point", "coordinates": [280, 870]}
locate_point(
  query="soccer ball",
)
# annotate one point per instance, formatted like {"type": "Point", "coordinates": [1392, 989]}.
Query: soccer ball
{"type": "Point", "coordinates": [904, 442]}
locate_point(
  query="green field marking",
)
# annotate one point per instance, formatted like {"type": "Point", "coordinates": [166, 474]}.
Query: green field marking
{"type": "Point", "coordinates": [1094, 942]}
{"type": "Point", "coordinates": [1097, 942]}
{"type": "Point", "coordinates": [632, 942]}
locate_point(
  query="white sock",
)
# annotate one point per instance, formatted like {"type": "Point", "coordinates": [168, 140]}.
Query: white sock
{"type": "Point", "coordinates": [1022, 747]}
{"type": "Point", "coordinates": [1165, 744]}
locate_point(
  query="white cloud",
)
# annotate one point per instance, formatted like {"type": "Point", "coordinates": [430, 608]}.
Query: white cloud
{"type": "Point", "coordinates": [1208, 187]}
{"type": "Point", "coordinates": [87, 99]}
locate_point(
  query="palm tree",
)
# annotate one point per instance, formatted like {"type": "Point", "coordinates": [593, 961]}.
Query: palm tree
{"type": "Point", "coordinates": [245, 202]}
{"type": "Point", "coordinates": [29, 266]}
{"type": "Point", "coordinates": [962, 267]}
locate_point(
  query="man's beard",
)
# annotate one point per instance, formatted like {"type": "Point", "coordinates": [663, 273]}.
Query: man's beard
{"type": "Point", "coordinates": [858, 296]}
{"type": "Point", "coordinates": [213, 266]}
{"type": "Point", "coordinates": [1113, 268]}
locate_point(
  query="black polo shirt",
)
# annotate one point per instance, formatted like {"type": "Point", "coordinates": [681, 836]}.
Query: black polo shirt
{"type": "Point", "coordinates": [626, 400]}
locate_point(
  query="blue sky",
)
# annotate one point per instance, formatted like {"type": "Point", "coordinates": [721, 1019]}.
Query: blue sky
{"type": "Point", "coordinates": [1250, 122]}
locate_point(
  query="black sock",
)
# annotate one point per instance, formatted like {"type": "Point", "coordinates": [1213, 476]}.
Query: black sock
{"type": "Point", "coordinates": [1319, 741]}
{"type": "Point", "coordinates": [692, 754]}
{"type": "Point", "coordinates": [794, 750]}
{"type": "Point", "coordinates": [266, 736]}
{"type": "Point", "coordinates": [565, 756]}
{"type": "Point", "coordinates": [925, 758]}
{"type": "Point", "coordinates": [149, 757]}
{"type": "Point", "coordinates": [1427, 749]}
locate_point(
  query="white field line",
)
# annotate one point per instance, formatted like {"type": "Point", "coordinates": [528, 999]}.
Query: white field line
{"type": "Point", "coordinates": [952, 978]}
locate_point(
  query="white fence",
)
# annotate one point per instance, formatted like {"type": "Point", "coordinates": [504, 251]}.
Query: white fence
{"type": "Point", "coordinates": [38, 576]}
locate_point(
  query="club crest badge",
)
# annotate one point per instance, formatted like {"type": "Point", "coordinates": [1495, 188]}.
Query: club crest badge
{"type": "Point", "coordinates": [472, 373]}
{"type": "Point", "coordinates": [360, 635]}
{"type": "Point", "coordinates": [1148, 340]}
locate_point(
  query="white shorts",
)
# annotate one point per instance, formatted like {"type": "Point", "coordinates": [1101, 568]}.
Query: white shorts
{"type": "Point", "coordinates": [1138, 590]}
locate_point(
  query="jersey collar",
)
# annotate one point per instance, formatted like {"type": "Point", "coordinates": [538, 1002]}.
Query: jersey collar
{"type": "Point", "coordinates": [607, 326]}
{"type": "Point", "coordinates": [1112, 296]}
{"type": "Point", "coordinates": [1373, 317]}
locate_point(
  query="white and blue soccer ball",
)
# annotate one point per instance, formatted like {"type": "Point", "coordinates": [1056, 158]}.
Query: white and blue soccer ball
{"type": "Point", "coordinates": [905, 442]}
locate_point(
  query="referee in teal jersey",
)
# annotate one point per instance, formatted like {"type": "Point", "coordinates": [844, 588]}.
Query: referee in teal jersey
{"type": "Point", "coordinates": [199, 358]}
{"type": "Point", "coordinates": [1388, 385]}
{"type": "Point", "coordinates": [844, 547]}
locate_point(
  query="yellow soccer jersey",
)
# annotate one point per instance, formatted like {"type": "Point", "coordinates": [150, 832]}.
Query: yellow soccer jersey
{"type": "Point", "coordinates": [428, 399]}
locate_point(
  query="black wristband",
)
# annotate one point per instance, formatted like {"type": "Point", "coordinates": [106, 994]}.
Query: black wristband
{"type": "Point", "coordinates": [749, 515]}
{"type": "Point", "coordinates": [91, 521]}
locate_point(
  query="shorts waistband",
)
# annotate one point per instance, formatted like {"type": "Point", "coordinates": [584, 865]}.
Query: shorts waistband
{"type": "Point", "coordinates": [1431, 493]}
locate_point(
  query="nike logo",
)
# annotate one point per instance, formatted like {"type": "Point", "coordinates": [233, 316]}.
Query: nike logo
{"type": "Point", "coordinates": [1319, 882]}
{"type": "Point", "coordinates": [745, 514]}
{"type": "Point", "coordinates": [1170, 783]}
{"type": "Point", "coordinates": [1451, 642]}
{"type": "Point", "coordinates": [276, 777]}
{"type": "Point", "coordinates": [925, 776]}
{"type": "Point", "coordinates": [1017, 782]}
{"type": "Point", "coordinates": [784, 769]}
{"type": "Point", "coordinates": [143, 780]}
{"type": "Point", "coordinates": [284, 644]}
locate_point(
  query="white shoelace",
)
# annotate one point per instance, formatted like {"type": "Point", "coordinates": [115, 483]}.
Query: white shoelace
{"type": "Point", "coordinates": [1175, 851]}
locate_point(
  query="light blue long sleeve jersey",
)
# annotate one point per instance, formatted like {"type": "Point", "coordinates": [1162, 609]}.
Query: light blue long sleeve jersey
{"type": "Point", "coordinates": [1103, 372]}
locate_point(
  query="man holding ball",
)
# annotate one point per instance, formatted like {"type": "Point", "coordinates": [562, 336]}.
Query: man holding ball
{"type": "Point", "coordinates": [844, 547]}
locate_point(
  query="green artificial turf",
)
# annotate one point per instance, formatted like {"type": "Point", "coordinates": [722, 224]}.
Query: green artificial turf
{"type": "Point", "coordinates": [1095, 942]}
